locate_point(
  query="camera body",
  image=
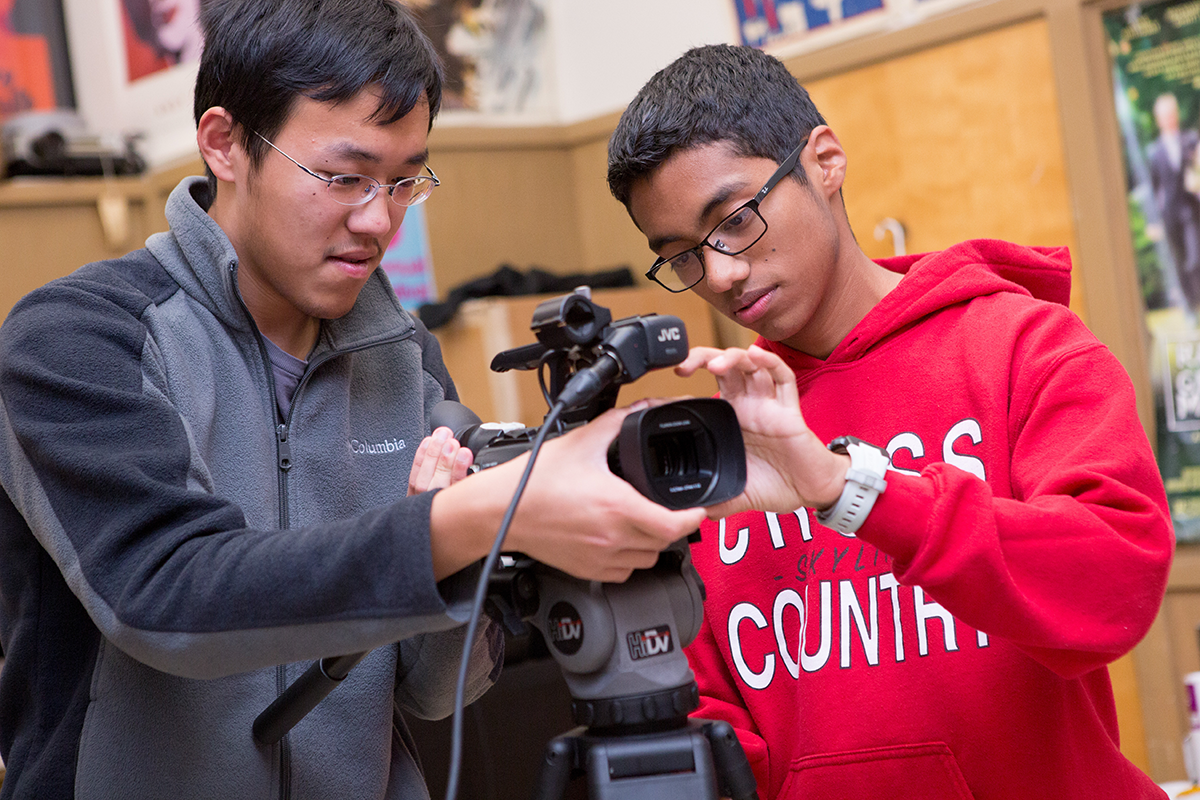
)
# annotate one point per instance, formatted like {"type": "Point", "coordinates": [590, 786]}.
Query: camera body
{"type": "Point", "coordinates": [680, 454]}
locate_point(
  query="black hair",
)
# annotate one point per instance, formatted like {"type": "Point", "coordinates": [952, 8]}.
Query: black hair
{"type": "Point", "coordinates": [261, 55]}
{"type": "Point", "coordinates": [715, 93]}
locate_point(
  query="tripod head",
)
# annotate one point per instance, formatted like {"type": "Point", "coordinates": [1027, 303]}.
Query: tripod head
{"type": "Point", "coordinates": [620, 649]}
{"type": "Point", "coordinates": [619, 645]}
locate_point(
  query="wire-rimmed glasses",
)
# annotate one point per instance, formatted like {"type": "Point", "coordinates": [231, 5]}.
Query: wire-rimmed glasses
{"type": "Point", "coordinates": [736, 233]}
{"type": "Point", "coordinates": [353, 189]}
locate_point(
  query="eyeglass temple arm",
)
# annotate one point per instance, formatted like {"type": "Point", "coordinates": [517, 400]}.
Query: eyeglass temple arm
{"type": "Point", "coordinates": [785, 168]}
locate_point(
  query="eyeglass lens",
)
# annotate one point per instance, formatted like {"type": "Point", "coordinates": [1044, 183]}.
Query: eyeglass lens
{"type": "Point", "coordinates": [737, 232]}
{"type": "Point", "coordinates": [353, 190]}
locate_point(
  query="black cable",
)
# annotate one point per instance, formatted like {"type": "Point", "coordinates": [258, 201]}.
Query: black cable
{"type": "Point", "coordinates": [541, 374]}
{"type": "Point", "coordinates": [481, 588]}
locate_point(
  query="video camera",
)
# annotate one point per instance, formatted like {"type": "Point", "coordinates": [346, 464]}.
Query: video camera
{"type": "Point", "coordinates": [620, 646]}
{"type": "Point", "coordinates": [682, 454]}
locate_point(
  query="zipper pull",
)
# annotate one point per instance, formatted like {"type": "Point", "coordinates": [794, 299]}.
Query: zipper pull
{"type": "Point", "coordinates": [285, 449]}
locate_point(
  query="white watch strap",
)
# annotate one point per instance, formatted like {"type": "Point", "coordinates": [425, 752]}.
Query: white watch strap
{"type": "Point", "coordinates": [864, 483]}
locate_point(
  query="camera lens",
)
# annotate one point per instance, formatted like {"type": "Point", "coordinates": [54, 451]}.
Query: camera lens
{"type": "Point", "coordinates": [673, 456]}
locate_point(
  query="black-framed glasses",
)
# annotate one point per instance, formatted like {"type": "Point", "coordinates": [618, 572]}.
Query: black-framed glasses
{"type": "Point", "coordinates": [355, 190]}
{"type": "Point", "coordinates": [738, 232]}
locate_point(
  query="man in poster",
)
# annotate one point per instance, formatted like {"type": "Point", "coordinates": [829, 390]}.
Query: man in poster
{"type": "Point", "coordinates": [1171, 160]}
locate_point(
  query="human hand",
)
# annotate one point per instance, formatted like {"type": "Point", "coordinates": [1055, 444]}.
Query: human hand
{"type": "Point", "coordinates": [575, 514]}
{"type": "Point", "coordinates": [787, 466]}
{"type": "Point", "coordinates": [579, 517]}
{"type": "Point", "coordinates": [440, 461]}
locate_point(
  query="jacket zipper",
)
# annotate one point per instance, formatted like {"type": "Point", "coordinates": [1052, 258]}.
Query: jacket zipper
{"type": "Point", "coordinates": [283, 450]}
{"type": "Point", "coordinates": [284, 453]}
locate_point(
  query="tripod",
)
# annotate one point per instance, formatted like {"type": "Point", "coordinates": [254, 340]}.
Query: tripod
{"type": "Point", "coordinates": [620, 648]}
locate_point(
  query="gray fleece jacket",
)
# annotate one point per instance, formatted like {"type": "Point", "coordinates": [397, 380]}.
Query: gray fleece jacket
{"type": "Point", "coordinates": [172, 555]}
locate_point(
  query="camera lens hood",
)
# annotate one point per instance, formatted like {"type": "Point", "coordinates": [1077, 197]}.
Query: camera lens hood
{"type": "Point", "coordinates": [682, 454]}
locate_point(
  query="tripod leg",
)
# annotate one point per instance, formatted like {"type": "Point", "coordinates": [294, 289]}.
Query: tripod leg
{"type": "Point", "coordinates": [555, 773]}
{"type": "Point", "coordinates": [733, 770]}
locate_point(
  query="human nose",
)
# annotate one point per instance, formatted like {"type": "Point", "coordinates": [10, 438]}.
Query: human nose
{"type": "Point", "coordinates": [376, 216]}
{"type": "Point", "coordinates": [722, 271]}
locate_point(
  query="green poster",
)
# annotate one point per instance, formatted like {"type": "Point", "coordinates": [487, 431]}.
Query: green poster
{"type": "Point", "coordinates": [1155, 57]}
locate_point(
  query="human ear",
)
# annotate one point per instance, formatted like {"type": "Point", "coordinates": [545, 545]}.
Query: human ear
{"type": "Point", "coordinates": [216, 139]}
{"type": "Point", "coordinates": [829, 157]}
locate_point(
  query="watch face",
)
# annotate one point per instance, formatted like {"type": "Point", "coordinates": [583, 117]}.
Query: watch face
{"type": "Point", "coordinates": [841, 444]}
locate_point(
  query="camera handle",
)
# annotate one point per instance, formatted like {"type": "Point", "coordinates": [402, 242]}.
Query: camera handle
{"type": "Point", "coordinates": [302, 696]}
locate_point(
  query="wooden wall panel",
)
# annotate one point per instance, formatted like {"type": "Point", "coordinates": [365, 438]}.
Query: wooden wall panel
{"type": "Point", "coordinates": [957, 141]}
{"type": "Point", "coordinates": [518, 208]}
{"type": "Point", "coordinates": [49, 227]}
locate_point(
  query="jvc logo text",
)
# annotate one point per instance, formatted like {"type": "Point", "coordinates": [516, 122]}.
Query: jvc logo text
{"type": "Point", "coordinates": [669, 335]}
{"type": "Point", "coordinates": [650, 642]}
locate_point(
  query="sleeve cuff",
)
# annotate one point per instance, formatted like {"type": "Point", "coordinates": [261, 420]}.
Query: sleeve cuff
{"type": "Point", "coordinates": [895, 524]}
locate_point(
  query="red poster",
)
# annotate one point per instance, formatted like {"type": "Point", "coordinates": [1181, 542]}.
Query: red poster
{"type": "Point", "coordinates": [159, 34]}
{"type": "Point", "coordinates": [26, 77]}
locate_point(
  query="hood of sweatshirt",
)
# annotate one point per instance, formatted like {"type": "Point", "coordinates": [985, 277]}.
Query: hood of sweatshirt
{"type": "Point", "coordinates": [935, 281]}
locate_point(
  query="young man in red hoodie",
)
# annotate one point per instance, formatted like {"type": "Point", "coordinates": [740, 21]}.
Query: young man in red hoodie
{"type": "Point", "coordinates": [925, 609]}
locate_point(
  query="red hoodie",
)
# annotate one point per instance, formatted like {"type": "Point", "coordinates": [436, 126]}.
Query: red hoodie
{"type": "Point", "coordinates": [956, 647]}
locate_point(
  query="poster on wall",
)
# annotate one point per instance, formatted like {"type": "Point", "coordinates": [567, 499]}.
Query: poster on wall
{"type": "Point", "coordinates": [494, 52]}
{"type": "Point", "coordinates": [34, 72]}
{"type": "Point", "coordinates": [160, 34]}
{"type": "Point", "coordinates": [1154, 53]}
{"type": "Point", "coordinates": [408, 262]}
{"type": "Point", "coordinates": [764, 23]}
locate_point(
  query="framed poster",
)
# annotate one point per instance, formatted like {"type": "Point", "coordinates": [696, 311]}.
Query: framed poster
{"type": "Point", "coordinates": [494, 52]}
{"type": "Point", "coordinates": [34, 69]}
{"type": "Point", "coordinates": [774, 22]}
{"type": "Point", "coordinates": [134, 68]}
{"type": "Point", "coordinates": [1154, 53]}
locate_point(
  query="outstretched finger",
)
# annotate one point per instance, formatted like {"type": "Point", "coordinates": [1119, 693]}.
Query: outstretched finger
{"type": "Point", "coordinates": [697, 358]}
{"type": "Point", "coordinates": [779, 371]}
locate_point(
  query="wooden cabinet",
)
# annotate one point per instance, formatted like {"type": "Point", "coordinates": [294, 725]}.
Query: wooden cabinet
{"type": "Point", "coordinates": [51, 226]}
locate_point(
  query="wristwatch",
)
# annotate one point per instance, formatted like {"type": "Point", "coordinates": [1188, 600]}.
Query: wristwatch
{"type": "Point", "coordinates": [864, 482]}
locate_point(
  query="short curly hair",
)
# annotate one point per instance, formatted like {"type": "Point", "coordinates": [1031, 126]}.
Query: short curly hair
{"type": "Point", "coordinates": [715, 93]}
